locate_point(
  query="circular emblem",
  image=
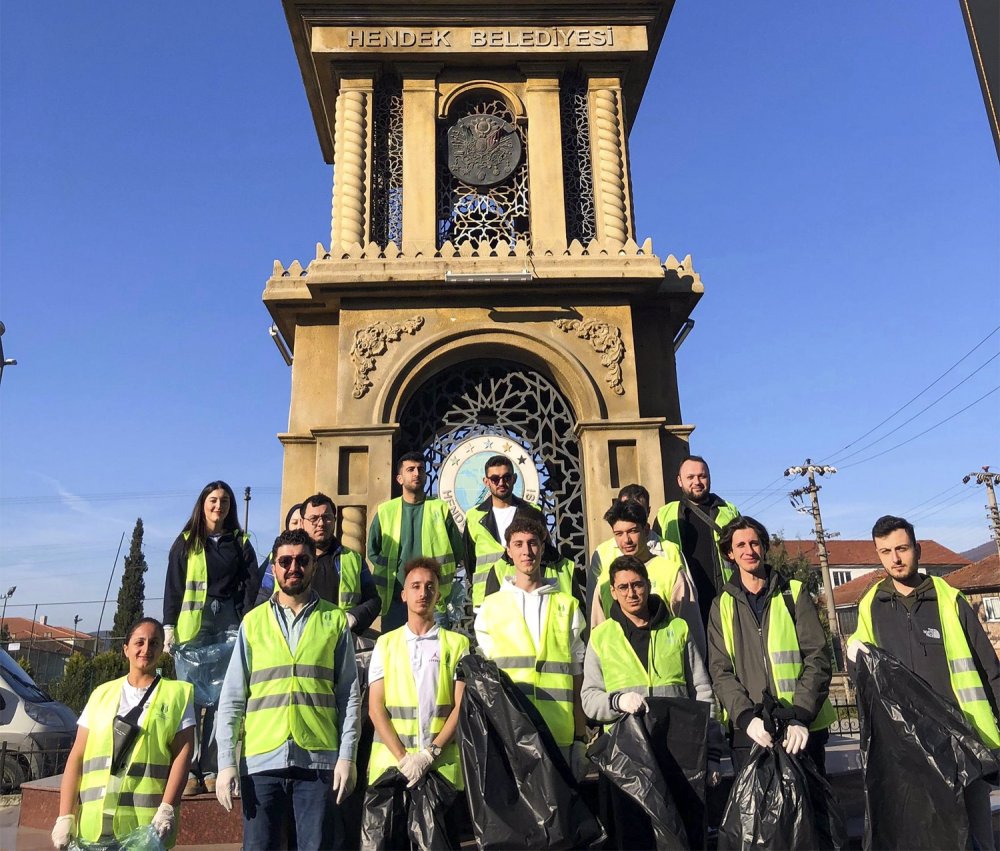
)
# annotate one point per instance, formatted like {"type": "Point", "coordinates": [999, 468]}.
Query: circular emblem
{"type": "Point", "coordinates": [483, 150]}
{"type": "Point", "coordinates": [460, 483]}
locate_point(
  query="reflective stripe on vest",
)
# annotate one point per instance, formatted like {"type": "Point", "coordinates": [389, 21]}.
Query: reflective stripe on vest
{"type": "Point", "coordinates": [401, 701]}
{"type": "Point", "coordinates": [622, 669]}
{"type": "Point", "coordinates": [662, 570]}
{"type": "Point", "coordinates": [132, 797]}
{"type": "Point", "coordinates": [561, 571]}
{"type": "Point", "coordinates": [784, 658]}
{"type": "Point", "coordinates": [434, 543]}
{"type": "Point", "coordinates": [670, 530]}
{"type": "Point", "coordinates": [196, 590]}
{"type": "Point", "coordinates": [292, 696]}
{"type": "Point", "coordinates": [543, 675]}
{"type": "Point", "coordinates": [965, 680]}
{"type": "Point", "coordinates": [349, 594]}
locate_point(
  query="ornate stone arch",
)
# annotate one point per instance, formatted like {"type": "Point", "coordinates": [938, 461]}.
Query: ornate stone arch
{"type": "Point", "coordinates": [514, 103]}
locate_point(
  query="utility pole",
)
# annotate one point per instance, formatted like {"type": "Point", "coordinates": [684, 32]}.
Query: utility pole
{"type": "Point", "coordinates": [810, 470]}
{"type": "Point", "coordinates": [246, 508]}
{"type": "Point", "coordinates": [992, 513]}
{"type": "Point", "coordinates": [76, 620]}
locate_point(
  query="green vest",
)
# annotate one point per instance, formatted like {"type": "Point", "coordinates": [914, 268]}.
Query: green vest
{"type": "Point", "coordinates": [622, 669]}
{"type": "Point", "coordinates": [663, 571]}
{"type": "Point", "coordinates": [965, 680]}
{"type": "Point", "coordinates": [488, 551]}
{"type": "Point", "coordinates": [292, 696]}
{"type": "Point", "coordinates": [542, 674]}
{"type": "Point", "coordinates": [196, 591]}
{"type": "Point", "coordinates": [670, 530]}
{"type": "Point", "coordinates": [434, 542]}
{"type": "Point", "coordinates": [349, 594]}
{"type": "Point", "coordinates": [561, 571]}
{"type": "Point", "coordinates": [137, 792]}
{"type": "Point", "coordinates": [784, 659]}
{"type": "Point", "coordinates": [401, 703]}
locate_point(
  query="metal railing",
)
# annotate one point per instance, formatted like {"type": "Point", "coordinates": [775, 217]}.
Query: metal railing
{"type": "Point", "coordinates": [848, 721]}
{"type": "Point", "coordinates": [18, 766]}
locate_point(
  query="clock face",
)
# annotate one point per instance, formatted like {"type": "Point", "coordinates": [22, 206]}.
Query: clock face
{"type": "Point", "coordinates": [460, 483]}
{"type": "Point", "coordinates": [483, 150]}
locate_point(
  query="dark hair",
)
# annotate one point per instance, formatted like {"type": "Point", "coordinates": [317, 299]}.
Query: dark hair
{"type": "Point", "coordinates": [623, 563]}
{"type": "Point", "coordinates": [423, 563]}
{"type": "Point", "coordinates": [633, 493]}
{"type": "Point", "coordinates": [697, 458]}
{"type": "Point", "coordinates": [734, 526]}
{"type": "Point", "coordinates": [291, 511]}
{"type": "Point", "coordinates": [410, 456]}
{"type": "Point", "coordinates": [498, 461]}
{"type": "Point", "coordinates": [294, 538]}
{"type": "Point", "coordinates": [195, 527]}
{"type": "Point", "coordinates": [629, 511]}
{"type": "Point", "coordinates": [318, 500]}
{"type": "Point", "coordinates": [140, 622]}
{"type": "Point", "coordinates": [889, 524]}
{"type": "Point", "coordinates": [526, 522]}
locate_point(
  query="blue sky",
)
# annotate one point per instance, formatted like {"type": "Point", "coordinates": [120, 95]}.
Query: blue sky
{"type": "Point", "coordinates": [829, 167]}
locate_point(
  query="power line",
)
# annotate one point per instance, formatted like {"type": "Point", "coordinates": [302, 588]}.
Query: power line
{"type": "Point", "coordinates": [949, 488]}
{"type": "Point", "coordinates": [764, 490]}
{"type": "Point", "coordinates": [931, 510]}
{"type": "Point", "coordinates": [114, 496]}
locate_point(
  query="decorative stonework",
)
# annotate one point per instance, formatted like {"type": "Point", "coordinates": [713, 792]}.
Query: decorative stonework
{"type": "Point", "coordinates": [349, 167]}
{"type": "Point", "coordinates": [372, 342]}
{"type": "Point", "coordinates": [606, 340]}
{"type": "Point", "coordinates": [612, 168]}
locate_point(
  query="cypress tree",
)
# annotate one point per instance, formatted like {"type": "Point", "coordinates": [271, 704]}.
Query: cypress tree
{"type": "Point", "coordinates": [132, 593]}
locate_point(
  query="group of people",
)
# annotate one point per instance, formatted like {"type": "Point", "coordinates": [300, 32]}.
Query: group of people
{"type": "Point", "coordinates": [686, 606]}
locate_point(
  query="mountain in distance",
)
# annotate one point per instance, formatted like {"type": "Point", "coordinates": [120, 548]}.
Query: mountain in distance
{"type": "Point", "coordinates": [980, 552]}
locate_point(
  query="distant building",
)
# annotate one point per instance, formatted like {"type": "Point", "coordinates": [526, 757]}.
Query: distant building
{"type": "Point", "coordinates": [47, 646]}
{"type": "Point", "coordinates": [980, 582]}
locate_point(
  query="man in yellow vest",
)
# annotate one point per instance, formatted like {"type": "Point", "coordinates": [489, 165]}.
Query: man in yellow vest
{"type": "Point", "coordinates": [408, 527]}
{"type": "Point", "coordinates": [292, 689]}
{"type": "Point", "coordinates": [693, 523]}
{"type": "Point", "coordinates": [414, 698]}
{"type": "Point", "coordinates": [933, 631]}
{"type": "Point", "coordinates": [764, 635]}
{"type": "Point", "coordinates": [534, 632]}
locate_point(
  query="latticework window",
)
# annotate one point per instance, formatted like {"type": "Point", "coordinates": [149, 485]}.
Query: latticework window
{"type": "Point", "coordinates": [578, 174]}
{"type": "Point", "coordinates": [387, 173]}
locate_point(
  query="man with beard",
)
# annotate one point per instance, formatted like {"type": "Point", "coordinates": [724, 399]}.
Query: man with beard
{"type": "Point", "coordinates": [486, 524]}
{"type": "Point", "coordinates": [292, 687]}
{"type": "Point", "coordinates": [341, 576]}
{"type": "Point", "coordinates": [693, 523]}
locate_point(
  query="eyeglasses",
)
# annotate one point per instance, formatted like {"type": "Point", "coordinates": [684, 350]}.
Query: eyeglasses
{"type": "Point", "coordinates": [506, 477]}
{"type": "Point", "coordinates": [625, 587]}
{"type": "Point", "coordinates": [302, 560]}
{"type": "Point", "coordinates": [316, 519]}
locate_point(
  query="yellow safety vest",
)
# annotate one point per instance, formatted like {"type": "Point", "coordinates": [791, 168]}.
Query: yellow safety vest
{"type": "Point", "coordinates": [292, 696]}
{"type": "Point", "coordinates": [401, 703]}
{"type": "Point", "coordinates": [670, 530]}
{"type": "Point", "coordinates": [561, 571]}
{"type": "Point", "coordinates": [434, 542]}
{"type": "Point", "coordinates": [196, 591]}
{"type": "Point", "coordinates": [784, 658]}
{"type": "Point", "coordinates": [349, 594]}
{"type": "Point", "coordinates": [662, 570]}
{"type": "Point", "coordinates": [662, 669]}
{"type": "Point", "coordinates": [543, 674]}
{"type": "Point", "coordinates": [137, 792]}
{"type": "Point", "coordinates": [488, 550]}
{"type": "Point", "coordinates": [965, 680]}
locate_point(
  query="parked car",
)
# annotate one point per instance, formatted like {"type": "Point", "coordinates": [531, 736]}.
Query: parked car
{"type": "Point", "coordinates": [36, 731]}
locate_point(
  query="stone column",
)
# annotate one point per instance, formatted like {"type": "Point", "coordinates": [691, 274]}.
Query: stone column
{"type": "Point", "coordinates": [612, 185]}
{"type": "Point", "coordinates": [419, 158]}
{"type": "Point", "coordinates": [352, 157]}
{"type": "Point", "coordinates": [352, 527]}
{"type": "Point", "coordinates": [546, 196]}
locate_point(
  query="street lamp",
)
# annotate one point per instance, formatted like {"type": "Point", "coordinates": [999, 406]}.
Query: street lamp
{"type": "Point", "coordinates": [4, 597]}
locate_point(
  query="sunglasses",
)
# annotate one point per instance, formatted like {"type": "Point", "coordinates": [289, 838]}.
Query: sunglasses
{"type": "Point", "coordinates": [506, 477]}
{"type": "Point", "coordinates": [302, 560]}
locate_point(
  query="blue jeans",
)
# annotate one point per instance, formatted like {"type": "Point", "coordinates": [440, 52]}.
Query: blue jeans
{"type": "Point", "coordinates": [269, 798]}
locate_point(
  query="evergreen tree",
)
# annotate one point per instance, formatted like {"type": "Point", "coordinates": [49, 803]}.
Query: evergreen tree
{"type": "Point", "coordinates": [133, 591]}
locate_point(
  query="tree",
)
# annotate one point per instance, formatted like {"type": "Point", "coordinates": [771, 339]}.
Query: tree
{"type": "Point", "coordinates": [133, 591]}
{"type": "Point", "coordinates": [799, 567]}
{"type": "Point", "coordinates": [26, 665]}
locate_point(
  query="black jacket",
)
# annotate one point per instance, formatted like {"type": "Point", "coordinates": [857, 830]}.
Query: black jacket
{"type": "Point", "coordinates": [326, 582]}
{"type": "Point", "coordinates": [489, 523]}
{"type": "Point", "coordinates": [232, 574]}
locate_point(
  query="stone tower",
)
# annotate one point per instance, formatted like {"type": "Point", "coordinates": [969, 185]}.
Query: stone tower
{"type": "Point", "coordinates": [484, 289]}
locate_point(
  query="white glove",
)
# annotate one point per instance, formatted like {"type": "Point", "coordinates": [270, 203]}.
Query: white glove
{"type": "Point", "coordinates": [227, 784]}
{"type": "Point", "coordinates": [62, 831]}
{"type": "Point", "coordinates": [345, 775]}
{"type": "Point", "coordinates": [712, 778]}
{"type": "Point", "coordinates": [632, 702]}
{"type": "Point", "coordinates": [351, 621]}
{"type": "Point", "coordinates": [578, 759]}
{"type": "Point", "coordinates": [164, 820]}
{"type": "Point", "coordinates": [854, 647]}
{"type": "Point", "coordinates": [168, 640]}
{"type": "Point", "coordinates": [756, 731]}
{"type": "Point", "coordinates": [796, 736]}
{"type": "Point", "coordinates": [419, 764]}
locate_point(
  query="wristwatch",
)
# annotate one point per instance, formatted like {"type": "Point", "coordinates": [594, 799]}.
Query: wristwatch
{"type": "Point", "coordinates": [435, 750]}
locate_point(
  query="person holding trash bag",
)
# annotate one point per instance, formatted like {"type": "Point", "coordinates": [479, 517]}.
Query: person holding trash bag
{"type": "Point", "coordinates": [932, 630]}
{"type": "Point", "coordinates": [764, 637]}
{"type": "Point", "coordinates": [291, 696]}
{"type": "Point", "coordinates": [129, 763]}
{"type": "Point", "coordinates": [414, 698]}
{"type": "Point", "coordinates": [211, 574]}
{"type": "Point", "coordinates": [534, 633]}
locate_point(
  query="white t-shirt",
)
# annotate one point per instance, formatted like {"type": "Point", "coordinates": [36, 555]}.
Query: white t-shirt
{"type": "Point", "coordinates": [503, 516]}
{"type": "Point", "coordinates": [130, 697]}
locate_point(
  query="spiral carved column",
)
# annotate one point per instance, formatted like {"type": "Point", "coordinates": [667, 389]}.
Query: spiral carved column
{"type": "Point", "coordinates": [352, 527]}
{"type": "Point", "coordinates": [351, 158]}
{"type": "Point", "coordinates": [610, 163]}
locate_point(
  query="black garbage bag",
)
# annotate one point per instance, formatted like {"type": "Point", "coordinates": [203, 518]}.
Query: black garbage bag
{"type": "Point", "coordinates": [781, 801]}
{"type": "Point", "coordinates": [520, 790]}
{"type": "Point", "coordinates": [919, 754]}
{"type": "Point", "coordinates": [398, 819]}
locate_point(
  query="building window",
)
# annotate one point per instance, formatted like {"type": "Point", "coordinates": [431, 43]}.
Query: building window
{"type": "Point", "coordinates": [840, 577]}
{"type": "Point", "coordinates": [991, 606]}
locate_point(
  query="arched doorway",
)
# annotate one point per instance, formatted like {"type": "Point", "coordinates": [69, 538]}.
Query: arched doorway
{"type": "Point", "coordinates": [516, 404]}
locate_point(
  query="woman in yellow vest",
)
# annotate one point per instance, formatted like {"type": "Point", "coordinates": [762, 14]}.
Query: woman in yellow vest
{"type": "Point", "coordinates": [211, 575]}
{"type": "Point", "coordinates": [115, 784]}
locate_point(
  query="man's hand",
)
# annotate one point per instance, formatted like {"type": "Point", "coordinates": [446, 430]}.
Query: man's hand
{"type": "Point", "coordinates": [168, 640]}
{"type": "Point", "coordinates": [854, 647]}
{"type": "Point", "coordinates": [164, 820]}
{"type": "Point", "coordinates": [227, 784]}
{"type": "Point", "coordinates": [345, 775]}
{"type": "Point", "coordinates": [62, 831]}
{"type": "Point", "coordinates": [796, 737]}
{"type": "Point", "coordinates": [420, 764]}
{"type": "Point", "coordinates": [756, 731]}
{"type": "Point", "coordinates": [632, 702]}
{"type": "Point", "coordinates": [578, 759]}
